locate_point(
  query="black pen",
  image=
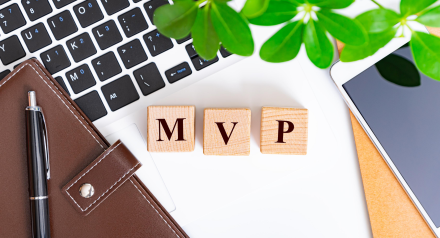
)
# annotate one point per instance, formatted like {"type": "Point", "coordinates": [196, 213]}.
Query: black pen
{"type": "Point", "coordinates": [38, 168]}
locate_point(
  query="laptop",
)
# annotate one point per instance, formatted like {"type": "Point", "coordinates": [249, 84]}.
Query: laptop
{"type": "Point", "coordinates": [110, 58]}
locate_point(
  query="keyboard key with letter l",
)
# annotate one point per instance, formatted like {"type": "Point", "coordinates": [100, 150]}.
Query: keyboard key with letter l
{"type": "Point", "coordinates": [88, 12]}
{"type": "Point", "coordinates": [80, 78]}
{"type": "Point", "coordinates": [133, 22]}
{"type": "Point", "coordinates": [11, 50]}
{"type": "Point", "coordinates": [62, 25]}
{"type": "Point", "coordinates": [200, 63]}
{"type": "Point", "coordinates": [149, 79]}
{"type": "Point", "coordinates": [178, 72]}
{"type": "Point", "coordinates": [91, 105]}
{"type": "Point", "coordinates": [120, 93]}
{"type": "Point", "coordinates": [11, 18]}
{"type": "Point", "coordinates": [157, 43]}
{"type": "Point", "coordinates": [132, 53]}
{"type": "Point", "coordinates": [36, 37]}
{"type": "Point", "coordinates": [36, 8]}
{"type": "Point", "coordinates": [106, 66]}
{"type": "Point", "coordinates": [61, 3]}
{"type": "Point", "coordinates": [107, 34]}
{"type": "Point", "coordinates": [60, 81]}
{"type": "Point", "coordinates": [114, 6]}
{"type": "Point", "coordinates": [55, 59]}
{"type": "Point", "coordinates": [152, 5]}
{"type": "Point", "coordinates": [81, 47]}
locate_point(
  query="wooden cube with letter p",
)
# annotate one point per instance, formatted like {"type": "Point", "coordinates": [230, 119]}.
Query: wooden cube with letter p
{"type": "Point", "coordinates": [284, 131]}
{"type": "Point", "coordinates": [227, 131]}
{"type": "Point", "coordinates": [171, 128]}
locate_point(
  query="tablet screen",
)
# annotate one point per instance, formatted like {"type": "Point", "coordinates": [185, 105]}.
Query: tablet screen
{"type": "Point", "coordinates": [402, 108]}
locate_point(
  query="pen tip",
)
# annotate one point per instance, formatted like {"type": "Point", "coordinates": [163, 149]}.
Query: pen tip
{"type": "Point", "coordinates": [32, 99]}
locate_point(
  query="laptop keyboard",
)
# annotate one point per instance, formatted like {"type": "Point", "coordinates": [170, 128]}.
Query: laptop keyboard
{"type": "Point", "coordinates": [102, 52]}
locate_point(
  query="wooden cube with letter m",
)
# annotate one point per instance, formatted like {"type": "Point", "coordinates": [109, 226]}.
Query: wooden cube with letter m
{"type": "Point", "coordinates": [171, 128]}
{"type": "Point", "coordinates": [284, 131]}
{"type": "Point", "coordinates": [227, 131]}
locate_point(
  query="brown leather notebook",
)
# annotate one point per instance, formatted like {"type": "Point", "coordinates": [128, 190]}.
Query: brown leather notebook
{"type": "Point", "coordinates": [391, 211]}
{"type": "Point", "coordinates": [121, 205]}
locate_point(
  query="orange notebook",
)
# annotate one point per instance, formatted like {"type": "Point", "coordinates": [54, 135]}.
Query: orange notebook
{"type": "Point", "coordinates": [391, 211]}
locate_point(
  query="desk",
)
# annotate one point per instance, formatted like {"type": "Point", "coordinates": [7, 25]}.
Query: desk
{"type": "Point", "coordinates": [317, 195]}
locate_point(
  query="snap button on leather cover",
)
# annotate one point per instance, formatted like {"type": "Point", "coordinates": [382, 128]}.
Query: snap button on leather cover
{"type": "Point", "coordinates": [86, 190]}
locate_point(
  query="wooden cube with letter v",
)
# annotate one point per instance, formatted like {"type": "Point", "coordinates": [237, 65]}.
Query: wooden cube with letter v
{"type": "Point", "coordinates": [227, 131]}
{"type": "Point", "coordinates": [284, 131]}
{"type": "Point", "coordinates": [171, 128]}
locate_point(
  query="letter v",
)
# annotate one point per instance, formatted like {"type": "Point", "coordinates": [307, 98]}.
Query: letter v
{"type": "Point", "coordinates": [222, 130]}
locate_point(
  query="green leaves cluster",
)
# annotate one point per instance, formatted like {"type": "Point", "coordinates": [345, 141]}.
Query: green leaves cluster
{"type": "Point", "coordinates": [382, 25]}
{"type": "Point", "coordinates": [306, 21]}
{"type": "Point", "coordinates": [209, 23]}
{"type": "Point", "coordinates": [313, 22]}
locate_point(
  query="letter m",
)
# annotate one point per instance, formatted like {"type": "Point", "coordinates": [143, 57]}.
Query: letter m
{"type": "Point", "coordinates": [168, 132]}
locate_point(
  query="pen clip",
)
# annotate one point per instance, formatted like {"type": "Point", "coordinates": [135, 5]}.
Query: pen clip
{"type": "Point", "coordinates": [46, 145]}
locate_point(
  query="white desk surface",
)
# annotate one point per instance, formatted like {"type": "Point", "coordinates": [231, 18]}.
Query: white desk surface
{"type": "Point", "coordinates": [317, 195]}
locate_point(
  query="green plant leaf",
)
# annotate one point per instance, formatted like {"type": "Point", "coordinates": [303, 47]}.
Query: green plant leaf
{"type": "Point", "coordinates": [205, 39]}
{"type": "Point", "coordinates": [318, 46]}
{"type": "Point", "coordinates": [283, 45]}
{"type": "Point", "coordinates": [411, 7]}
{"type": "Point", "coordinates": [376, 41]}
{"type": "Point", "coordinates": [176, 21]}
{"type": "Point", "coordinates": [232, 29]}
{"type": "Point", "coordinates": [222, 1]}
{"type": "Point", "coordinates": [398, 70]}
{"type": "Point", "coordinates": [424, 48]}
{"type": "Point", "coordinates": [254, 8]}
{"type": "Point", "coordinates": [331, 4]}
{"type": "Point", "coordinates": [378, 20]}
{"type": "Point", "coordinates": [276, 13]}
{"type": "Point", "coordinates": [348, 31]}
{"type": "Point", "coordinates": [431, 17]}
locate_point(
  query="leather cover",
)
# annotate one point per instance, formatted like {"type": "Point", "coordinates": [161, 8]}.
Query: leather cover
{"type": "Point", "coordinates": [121, 206]}
{"type": "Point", "coordinates": [391, 211]}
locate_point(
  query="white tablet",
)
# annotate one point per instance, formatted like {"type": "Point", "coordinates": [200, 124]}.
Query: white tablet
{"type": "Point", "coordinates": [399, 108]}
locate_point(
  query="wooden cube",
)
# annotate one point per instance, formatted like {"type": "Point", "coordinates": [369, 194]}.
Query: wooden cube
{"type": "Point", "coordinates": [284, 131]}
{"type": "Point", "coordinates": [171, 128]}
{"type": "Point", "coordinates": [227, 131]}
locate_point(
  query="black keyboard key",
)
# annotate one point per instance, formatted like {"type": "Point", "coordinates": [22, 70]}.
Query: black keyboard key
{"type": "Point", "coordinates": [133, 22]}
{"type": "Point", "coordinates": [149, 79]}
{"type": "Point", "coordinates": [11, 50]}
{"type": "Point", "coordinates": [114, 6]}
{"type": "Point", "coordinates": [4, 74]}
{"type": "Point", "coordinates": [36, 37]}
{"type": "Point", "coordinates": [60, 81]}
{"type": "Point", "coordinates": [107, 34]}
{"type": "Point", "coordinates": [157, 43]}
{"type": "Point", "coordinates": [81, 47]}
{"type": "Point", "coordinates": [152, 5]}
{"type": "Point", "coordinates": [191, 50]}
{"type": "Point", "coordinates": [11, 18]}
{"type": "Point", "coordinates": [132, 53]}
{"type": "Point", "coordinates": [62, 25]}
{"type": "Point", "coordinates": [88, 12]}
{"type": "Point", "coordinates": [224, 52]}
{"type": "Point", "coordinates": [120, 93]}
{"type": "Point", "coordinates": [200, 63]}
{"type": "Point", "coordinates": [61, 3]}
{"type": "Point", "coordinates": [106, 66]}
{"type": "Point", "coordinates": [55, 59]}
{"type": "Point", "coordinates": [80, 78]}
{"type": "Point", "coordinates": [184, 39]}
{"type": "Point", "coordinates": [91, 105]}
{"type": "Point", "coordinates": [3, 2]}
{"type": "Point", "coordinates": [36, 8]}
{"type": "Point", "coordinates": [178, 72]}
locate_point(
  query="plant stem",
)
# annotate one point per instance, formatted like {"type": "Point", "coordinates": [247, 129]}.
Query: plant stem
{"type": "Point", "coordinates": [378, 4]}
